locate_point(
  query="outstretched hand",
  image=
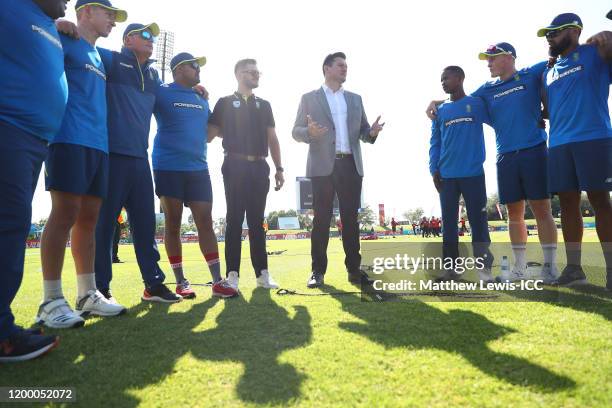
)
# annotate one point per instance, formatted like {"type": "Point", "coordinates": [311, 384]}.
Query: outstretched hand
{"type": "Point", "coordinates": [376, 127]}
{"type": "Point", "coordinates": [314, 129]}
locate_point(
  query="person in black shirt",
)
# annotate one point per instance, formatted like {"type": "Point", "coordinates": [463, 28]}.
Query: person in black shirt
{"type": "Point", "coordinates": [246, 124]}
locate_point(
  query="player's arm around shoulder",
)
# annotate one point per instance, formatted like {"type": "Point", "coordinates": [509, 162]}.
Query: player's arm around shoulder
{"type": "Point", "coordinates": [603, 42]}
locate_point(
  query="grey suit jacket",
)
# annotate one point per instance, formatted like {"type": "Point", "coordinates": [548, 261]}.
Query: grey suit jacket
{"type": "Point", "coordinates": [322, 151]}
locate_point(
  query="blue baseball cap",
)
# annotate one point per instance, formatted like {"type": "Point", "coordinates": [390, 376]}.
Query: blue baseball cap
{"type": "Point", "coordinates": [136, 27]}
{"type": "Point", "coordinates": [502, 48]}
{"type": "Point", "coordinates": [561, 21]}
{"type": "Point", "coordinates": [185, 57]}
{"type": "Point", "coordinates": [121, 15]}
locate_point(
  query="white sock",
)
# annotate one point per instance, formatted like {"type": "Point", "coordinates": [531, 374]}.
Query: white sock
{"type": "Point", "coordinates": [85, 283]}
{"type": "Point", "coordinates": [550, 254]}
{"type": "Point", "coordinates": [52, 289]}
{"type": "Point", "coordinates": [519, 251]}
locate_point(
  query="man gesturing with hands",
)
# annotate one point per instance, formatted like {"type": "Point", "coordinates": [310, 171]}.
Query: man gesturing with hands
{"type": "Point", "coordinates": [332, 121]}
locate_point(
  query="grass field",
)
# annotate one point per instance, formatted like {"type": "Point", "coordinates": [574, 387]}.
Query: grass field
{"type": "Point", "coordinates": [263, 349]}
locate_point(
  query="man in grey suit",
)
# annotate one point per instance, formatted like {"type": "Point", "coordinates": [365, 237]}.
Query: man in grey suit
{"type": "Point", "coordinates": [332, 121]}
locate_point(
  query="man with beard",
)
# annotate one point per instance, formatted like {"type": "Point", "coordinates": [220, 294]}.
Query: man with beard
{"type": "Point", "coordinates": [576, 88]}
{"type": "Point", "coordinates": [181, 171]}
{"type": "Point", "coordinates": [246, 124]}
{"type": "Point", "coordinates": [76, 172]}
{"type": "Point", "coordinates": [31, 53]}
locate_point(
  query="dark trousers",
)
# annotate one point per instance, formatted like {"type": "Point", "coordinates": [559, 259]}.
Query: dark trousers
{"type": "Point", "coordinates": [474, 193]}
{"type": "Point", "coordinates": [21, 157]}
{"type": "Point", "coordinates": [346, 182]}
{"type": "Point", "coordinates": [130, 186]}
{"type": "Point", "coordinates": [246, 190]}
{"type": "Point", "coordinates": [116, 239]}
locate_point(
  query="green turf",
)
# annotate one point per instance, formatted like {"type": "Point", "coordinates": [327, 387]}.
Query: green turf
{"type": "Point", "coordinates": [268, 350]}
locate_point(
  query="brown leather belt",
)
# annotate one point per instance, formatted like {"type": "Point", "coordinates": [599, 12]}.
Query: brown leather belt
{"type": "Point", "coordinates": [241, 156]}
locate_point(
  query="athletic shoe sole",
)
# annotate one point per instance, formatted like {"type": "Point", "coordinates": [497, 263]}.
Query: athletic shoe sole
{"type": "Point", "coordinates": [52, 325]}
{"type": "Point", "coordinates": [160, 299]}
{"type": "Point", "coordinates": [223, 296]}
{"type": "Point", "coordinates": [577, 282]}
{"type": "Point", "coordinates": [87, 313]}
{"type": "Point", "coordinates": [32, 355]}
{"type": "Point", "coordinates": [189, 296]}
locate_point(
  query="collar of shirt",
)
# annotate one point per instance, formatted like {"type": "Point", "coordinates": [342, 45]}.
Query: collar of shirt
{"type": "Point", "coordinates": [243, 97]}
{"type": "Point", "coordinates": [130, 54]}
{"type": "Point", "coordinates": [330, 91]}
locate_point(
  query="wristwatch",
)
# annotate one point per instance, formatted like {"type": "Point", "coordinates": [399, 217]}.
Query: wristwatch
{"type": "Point", "coordinates": [279, 168]}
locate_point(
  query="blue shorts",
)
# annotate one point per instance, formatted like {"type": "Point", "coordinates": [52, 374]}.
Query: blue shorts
{"type": "Point", "coordinates": [521, 175]}
{"type": "Point", "coordinates": [76, 169]}
{"type": "Point", "coordinates": [580, 166]}
{"type": "Point", "coordinates": [187, 186]}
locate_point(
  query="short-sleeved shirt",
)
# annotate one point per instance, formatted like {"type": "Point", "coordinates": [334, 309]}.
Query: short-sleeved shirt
{"type": "Point", "coordinates": [577, 89]}
{"type": "Point", "coordinates": [33, 87]}
{"type": "Point", "coordinates": [244, 123]}
{"type": "Point", "coordinates": [457, 139]}
{"type": "Point", "coordinates": [182, 120]}
{"type": "Point", "coordinates": [514, 106]}
{"type": "Point", "coordinates": [84, 122]}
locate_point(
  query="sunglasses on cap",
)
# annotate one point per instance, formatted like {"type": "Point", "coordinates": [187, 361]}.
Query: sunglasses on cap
{"type": "Point", "coordinates": [554, 33]}
{"type": "Point", "coordinates": [494, 49]}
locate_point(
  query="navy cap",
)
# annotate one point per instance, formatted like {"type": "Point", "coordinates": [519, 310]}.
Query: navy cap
{"type": "Point", "coordinates": [121, 15]}
{"type": "Point", "coordinates": [561, 21]}
{"type": "Point", "coordinates": [502, 48]}
{"type": "Point", "coordinates": [184, 57]}
{"type": "Point", "coordinates": [136, 27]}
{"type": "Point", "coordinates": [609, 15]}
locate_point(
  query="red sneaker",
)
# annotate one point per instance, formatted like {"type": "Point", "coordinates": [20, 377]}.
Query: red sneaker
{"type": "Point", "coordinates": [184, 289]}
{"type": "Point", "coordinates": [223, 289]}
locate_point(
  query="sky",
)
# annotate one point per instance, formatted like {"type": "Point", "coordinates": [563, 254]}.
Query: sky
{"type": "Point", "coordinates": [395, 54]}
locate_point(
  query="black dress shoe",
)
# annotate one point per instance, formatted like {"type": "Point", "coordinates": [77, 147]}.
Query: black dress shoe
{"type": "Point", "coordinates": [316, 280]}
{"type": "Point", "coordinates": [359, 277]}
{"type": "Point", "coordinates": [117, 260]}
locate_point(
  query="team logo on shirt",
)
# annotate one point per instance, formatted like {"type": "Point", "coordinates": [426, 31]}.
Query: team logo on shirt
{"type": "Point", "coordinates": [257, 104]}
{"type": "Point", "coordinates": [553, 76]}
{"type": "Point", "coordinates": [517, 77]}
{"type": "Point", "coordinates": [456, 121]}
{"type": "Point", "coordinates": [236, 104]}
{"type": "Point", "coordinates": [48, 36]}
{"type": "Point", "coordinates": [95, 70]}
{"type": "Point", "coordinates": [468, 108]}
{"type": "Point", "coordinates": [576, 56]}
{"type": "Point", "coordinates": [509, 91]}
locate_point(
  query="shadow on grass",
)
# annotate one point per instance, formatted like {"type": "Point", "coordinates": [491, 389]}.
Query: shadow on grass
{"type": "Point", "coordinates": [416, 325]}
{"type": "Point", "coordinates": [112, 357]}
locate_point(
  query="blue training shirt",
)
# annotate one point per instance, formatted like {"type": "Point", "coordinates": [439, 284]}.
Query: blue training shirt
{"type": "Point", "coordinates": [577, 89]}
{"type": "Point", "coordinates": [514, 106]}
{"type": "Point", "coordinates": [84, 122]}
{"type": "Point", "coordinates": [457, 146]}
{"type": "Point", "coordinates": [32, 80]}
{"type": "Point", "coordinates": [182, 120]}
{"type": "Point", "coordinates": [130, 97]}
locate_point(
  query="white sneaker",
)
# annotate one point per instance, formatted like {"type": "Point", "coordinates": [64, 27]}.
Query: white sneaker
{"type": "Point", "coordinates": [265, 280]}
{"type": "Point", "coordinates": [549, 274]}
{"type": "Point", "coordinates": [96, 304]}
{"type": "Point", "coordinates": [232, 279]}
{"type": "Point", "coordinates": [57, 314]}
{"type": "Point", "coordinates": [515, 275]}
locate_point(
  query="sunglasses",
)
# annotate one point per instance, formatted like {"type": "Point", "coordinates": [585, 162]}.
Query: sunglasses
{"type": "Point", "coordinates": [145, 35]}
{"type": "Point", "coordinates": [494, 49]}
{"type": "Point", "coordinates": [554, 33]}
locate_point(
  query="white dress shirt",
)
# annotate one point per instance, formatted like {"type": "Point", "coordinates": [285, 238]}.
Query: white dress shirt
{"type": "Point", "coordinates": [337, 106]}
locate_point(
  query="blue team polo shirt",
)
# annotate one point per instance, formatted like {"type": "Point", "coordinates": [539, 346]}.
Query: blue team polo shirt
{"type": "Point", "coordinates": [514, 106]}
{"type": "Point", "coordinates": [32, 80]}
{"type": "Point", "coordinates": [577, 89]}
{"type": "Point", "coordinates": [84, 122]}
{"type": "Point", "coordinates": [457, 139]}
{"type": "Point", "coordinates": [182, 120]}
